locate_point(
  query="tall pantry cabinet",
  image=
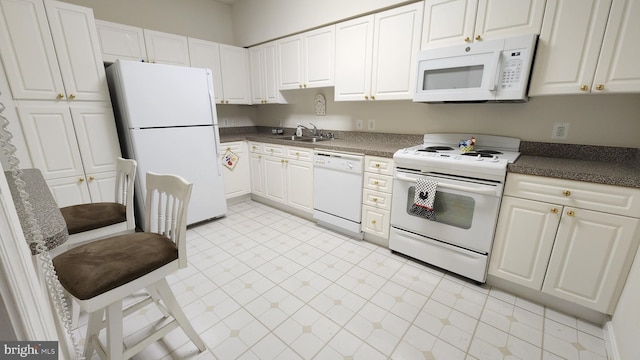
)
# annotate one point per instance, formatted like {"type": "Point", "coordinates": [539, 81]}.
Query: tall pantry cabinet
{"type": "Point", "coordinates": [54, 66]}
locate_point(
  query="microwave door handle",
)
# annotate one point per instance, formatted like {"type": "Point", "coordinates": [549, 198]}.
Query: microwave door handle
{"type": "Point", "coordinates": [485, 191]}
{"type": "Point", "coordinates": [494, 75]}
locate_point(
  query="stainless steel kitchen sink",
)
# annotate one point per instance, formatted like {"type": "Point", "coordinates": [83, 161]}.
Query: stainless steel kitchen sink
{"type": "Point", "coordinates": [311, 139]}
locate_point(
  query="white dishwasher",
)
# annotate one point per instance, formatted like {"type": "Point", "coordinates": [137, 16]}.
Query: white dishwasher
{"type": "Point", "coordinates": [337, 191]}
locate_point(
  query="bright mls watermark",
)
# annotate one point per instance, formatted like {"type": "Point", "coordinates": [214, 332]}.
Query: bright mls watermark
{"type": "Point", "coordinates": [38, 350]}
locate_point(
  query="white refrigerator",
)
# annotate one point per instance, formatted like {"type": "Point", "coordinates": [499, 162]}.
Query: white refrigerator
{"type": "Point", "coordinates": [167, 122]}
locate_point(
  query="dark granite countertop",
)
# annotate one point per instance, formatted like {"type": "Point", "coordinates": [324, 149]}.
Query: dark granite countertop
{"type": "Point", "coordinates": [596, 164]}
{"type": "Point", "coordinates": [375, 144]}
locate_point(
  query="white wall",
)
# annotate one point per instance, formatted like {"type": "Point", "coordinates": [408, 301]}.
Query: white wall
{"type": "Point", "coordinates": [200, 19]}
{"type": "Point", "coordinates": [612, 120]}
{"type": "Point", "coordinates": [257, 21]}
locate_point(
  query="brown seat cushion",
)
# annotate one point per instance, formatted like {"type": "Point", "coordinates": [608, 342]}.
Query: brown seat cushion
{"type": "Point", "coordinates": [97, 267]}
{"type": "Point", "coordinates": [85, 217]}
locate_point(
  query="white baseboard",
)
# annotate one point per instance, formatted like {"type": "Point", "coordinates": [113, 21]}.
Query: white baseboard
{"type": "Point", "coordinates": [610, 342]}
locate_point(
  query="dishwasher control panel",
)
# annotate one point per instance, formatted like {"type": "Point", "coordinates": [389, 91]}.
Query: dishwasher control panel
{"type": "Point", "coordinates": [339, 161]}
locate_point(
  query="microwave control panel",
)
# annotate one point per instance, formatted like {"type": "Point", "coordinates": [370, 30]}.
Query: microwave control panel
{"type": "Point", "coordinates": [513, 65]}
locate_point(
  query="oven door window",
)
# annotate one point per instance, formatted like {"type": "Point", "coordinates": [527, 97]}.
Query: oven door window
{"type": "Point", "coordinates": [449, 209]}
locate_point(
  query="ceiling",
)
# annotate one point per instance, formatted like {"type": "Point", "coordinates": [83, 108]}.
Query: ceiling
{"type": "Point", "coordinates": [228, 2]}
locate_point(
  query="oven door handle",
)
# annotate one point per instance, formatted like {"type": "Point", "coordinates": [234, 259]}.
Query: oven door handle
{"type": "Point", "coordinates": [485, 191]}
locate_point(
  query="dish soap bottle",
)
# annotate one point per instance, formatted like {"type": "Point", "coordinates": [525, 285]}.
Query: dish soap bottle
{"type": "Point", "coordinates": [299, 130]}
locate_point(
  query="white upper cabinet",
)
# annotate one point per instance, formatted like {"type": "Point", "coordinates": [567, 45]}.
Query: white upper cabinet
{"type": "Point", "coordinates": [165, 48]}
{"type": "Point", "coordinates": [451, 22]}
{"type": "Point", "coordinates": [264, 74]}
{"type": "Point", "coordinates": [588, 47]}
{"type": "Point", "coordinates": [375, 55]}
{"type": "Point", "coordinates": [229, 66]}
{"type": "Point", "coordinates": [307, 60]}
{"type": "Point", "coordinates": [118, 41]}
{"type": "Point", "coordinates": [50, 51]}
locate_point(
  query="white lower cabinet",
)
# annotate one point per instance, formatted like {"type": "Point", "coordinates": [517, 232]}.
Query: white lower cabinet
{"type": "Point", "coordinates": [237, 181]}
{"type": "Point", "coordinates": [283, 174]}
{"type": "Point", "coordinates": [569, 239]}
{"type": "Point", "coordinates": [376, 196]}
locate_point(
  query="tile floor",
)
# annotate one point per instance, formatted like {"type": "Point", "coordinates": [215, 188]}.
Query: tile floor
{"type": "Point", "coordinates": [263, 284]}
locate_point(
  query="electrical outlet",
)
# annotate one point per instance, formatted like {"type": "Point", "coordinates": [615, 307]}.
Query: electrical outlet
{"type": "Point", "coordinates": [359, 124]}
{"type": "Point", "coordinates": [371, 125]}
{"type": "Point", "coordinates": [560, 131]}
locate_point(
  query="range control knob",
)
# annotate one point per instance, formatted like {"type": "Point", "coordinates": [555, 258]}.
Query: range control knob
{"type": "Point", "coordinates": [479, 157]}
{"type": "Point", "coordinates": [494, 158]}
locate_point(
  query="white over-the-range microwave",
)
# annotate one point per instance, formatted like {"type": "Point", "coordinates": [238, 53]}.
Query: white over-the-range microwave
{"type": "Point", "coordinates": [493, 70]}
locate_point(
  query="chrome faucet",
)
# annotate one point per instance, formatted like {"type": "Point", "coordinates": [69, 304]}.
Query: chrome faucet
{"type": "Point", "coordinates": [314, 131]}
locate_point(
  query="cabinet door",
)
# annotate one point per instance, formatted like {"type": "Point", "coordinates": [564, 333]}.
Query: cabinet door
{"type": "Point", "coordinates": [97, 136]}
{"type": "Point", "coordinates": [319, 57]}
{"type": "Point", "coordinates": [591, 258]}
{"type": "Point", "coordinates": [119, 41]}
{"type": "Point", "coordinates": [524, 238]}
{"type": "Point", "coordinates": [270, 74]}
{"type": "Point", "coordinates": [448, 22]}
{"type": "Point", "coordinates": [257, 69]}
{"type": "Point", "coordinates": [568, 46]}
{"type": "Point", "coordinates": [237, 181]}
{"type": "Point", "coordinates": [165, 48]}
{"type": "Point", "coordinates": [234, 63]}
{"type": "Point", "coordinates": [78, 50]}
{"type": "Point", "coordinates": [70, 190]}
{"type": "Point", "coordinates": [102, 186]}
{"type": "Point", "coordinates": [396, 41]}
{"type": "Point", "coordinates": [504, 18]}
{"type": "Point", "coordinates": [274, 179]}
{"type": "Point", "coordinates": [618, 70]}
{"type": "Point", "coordinates": [256, 165]}
{"type": "Point", "coordinates": [354, 46]}
{"type": "Point", "coordinates": [299, 175]}
{"type": "Point", "coordinates": [51, 139]}
{"type": "Point", "coordinates": [206, 55]}
{"type": "Point", "coordinates": [375, 221]}
{"type": "Point", "coordinates": [290, 59]}
{"type": "Point", "coordinates": [27, 51]}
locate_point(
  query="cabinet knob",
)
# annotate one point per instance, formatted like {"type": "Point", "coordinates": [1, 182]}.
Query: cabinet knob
{"type": "Point", "coordinates": [584, 88]}
{"type": "Point", "coordinates": [373, 222]}
{"type": "Point", "coordinates": [72, 96]}
{"type": "Point", "coordinates": [282, 161]}
{"type": "Point", "coordinates": [253, 147]}
{"type": "Point", "coordinates": [60, 96]}
{"type": "Point", "coordinates": [300, 86]}
{"type": "Point", "coordinates": [554, 210]}
{"type": "Point", "coordinates": [226, 101]}
{"type": "Point", "coordinates": [467, 39]}
{"type": "Point", "coordinates": [271, 150]}
{"type": "Point", "coordinates": [297, 153]}
{"type": "Point", "coordinates": [570, 213]}
{"type": "Point", "coordinates": [304, 85]}
{"type": "Point", "coordinates": [373, 97]}
{"type": "Point", "coordinates": [366, 97]}
{"type": "Point", "coordinates": [566, 193]}
{"type": "Point", "coordinates": [228, 149]}
{"type": "Point", "coordinates": [478, 37]}
{"type": "Point", "coordinates": [377, 166]}
{"type": "Point", "coordinates": [600, 87]}
{"type": "Point", "coordinates": [376, 182]}
{"type": "Point", "coordinates": [81, 180]}
{"type": "Point", "coordinates": [374, 199]}
{"type": "Point", "coordinates": [91, 178]}
{"type": "Point", "coordinates": [259, 157]}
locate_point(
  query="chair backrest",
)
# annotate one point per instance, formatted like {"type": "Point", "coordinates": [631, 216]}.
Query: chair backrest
{"type": "Point", "coordinates": [125, 180]}
{"type": "Point", "coordinates": [166, 203]}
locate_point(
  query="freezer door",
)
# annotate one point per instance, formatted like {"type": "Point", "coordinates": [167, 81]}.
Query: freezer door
{"type": "Point", "coordinates": [189, 152]}
{"type": "Point", "coordinates": [157, 95]}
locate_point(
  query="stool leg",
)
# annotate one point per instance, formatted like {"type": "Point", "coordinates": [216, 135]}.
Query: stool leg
{"type": "Point", "coordinates": [93, 329]}
{"type": "Point", "coordinates": [114, 331]}
{"type": "Point", "coordinates": [176, 311]}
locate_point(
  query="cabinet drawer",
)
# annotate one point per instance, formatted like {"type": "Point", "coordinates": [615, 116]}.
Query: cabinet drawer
{"type": "Point", "coordinates": [376, 199]}
{"type": "Point", "coordinates": [600, 197]}
{"type": "Point", "coordinates": [255, 147]}
{"type": "Point", "coordinates": [297, 153]}
{"type": "Point", "coordinates": [237, 147]}
{"type": "Point", "coordinates": [378, 182]}
{"type": "Point", "coordinates": [378, 165]}
{"type": "Point", "coordinates": [275, 150]}
{"type": "Point", "coordinates": [376, 221]}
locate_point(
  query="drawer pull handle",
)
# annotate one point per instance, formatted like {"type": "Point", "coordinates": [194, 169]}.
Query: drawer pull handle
{"type": "Point", "coordinates": [571, 213]}
{"type": "Point", "coordinates": [554, 210]}
{"type": "Point", "coordinates": [566, 193]}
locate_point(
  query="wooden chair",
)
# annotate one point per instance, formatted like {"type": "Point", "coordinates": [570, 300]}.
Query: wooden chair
{"type": "Point", "coordinates": [88, 222]}
{"type": "Point", "coordinates": [100, 274]}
